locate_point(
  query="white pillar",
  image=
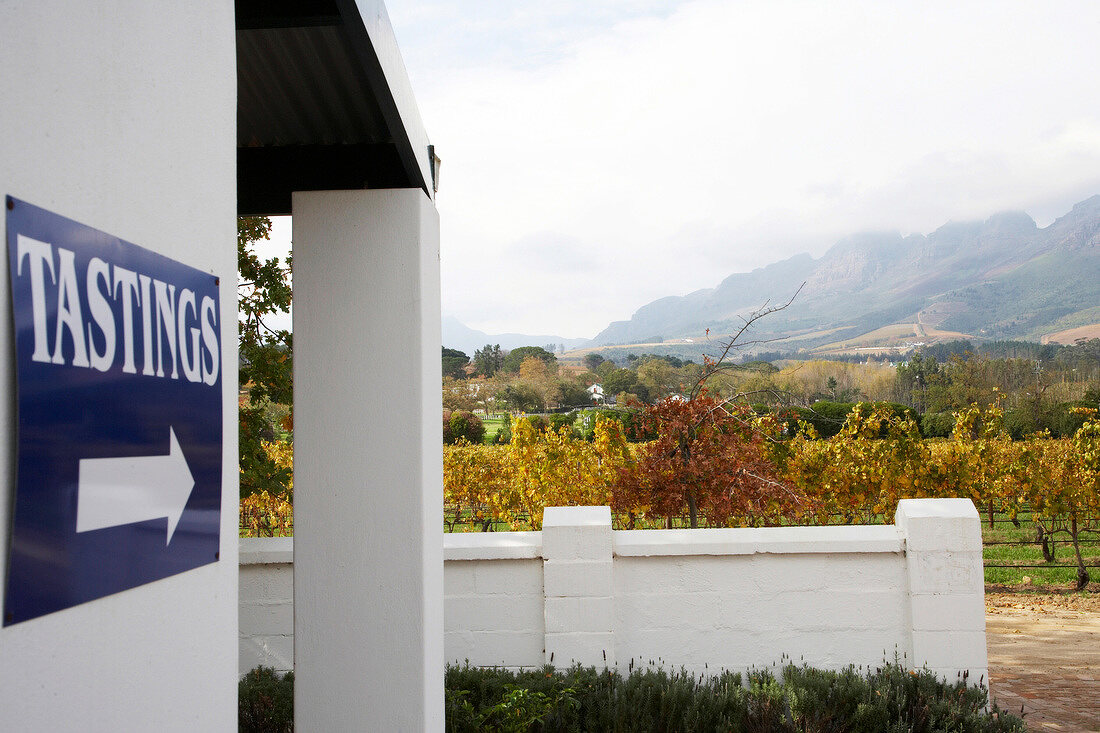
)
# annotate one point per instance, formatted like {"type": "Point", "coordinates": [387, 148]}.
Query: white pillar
{"type": "Point", "coordinates": [579, 610]}
{"type": "Point", "coordinates": [368, 469]}
{"type": "Point", "coordinates": [943, 552]}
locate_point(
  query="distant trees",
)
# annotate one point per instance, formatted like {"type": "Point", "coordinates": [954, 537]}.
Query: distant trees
{"type": "Point", "coordinates": [1039, 385]}
{"type": "Point", "coordinates": [573, 393]}
{"type": "Point", "coordinates": [592, 361]}
{"type": "Point", "coordinates": [521, 397]}
{"type": "Point", "coordinates": [535, 373]}
{"type": "Point", "coordinates": [624, 381]}
{"type": "Point", "coordinates": [460, 394]}
{"type": "Point", "coordinates": [488, 360]}
{"type": "Point", "coordinates": [663, 378]}
{"type": "Point", "coordinates": [537, 387]}
{"type": "Point", "coordinates": [945, 350]}
{"type": "Point", "coordinates": [533, 386]}
{"type": "Point", "coordinates": [454, 363]}
{"type": "Point", "coordinates": [514, 358]}
{"type": "Point", "coordinates": [915, 377]}
{"type": "Point", "coordinates": [1037, 393]}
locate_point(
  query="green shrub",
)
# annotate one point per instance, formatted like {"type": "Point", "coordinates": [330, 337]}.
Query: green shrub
{"type": "Point", "coordinates": [829, 417]}
{"type": "Point", "coordinates": [463, 425]}
{"type": "Point", "coordinates": [265, 702]}
{"type": "Point", "coordinates": [1066, 419]}
{"type": "Point", "coordinates": [583, 699]}
{"type": "Point", "coordinates": [626, 417]}
{"type": "Point", "coordinates": [558, 420]}
{"type": "Point", "coordinates": [889, 699]}
{"type": "Point", "coordinates": [1020, 423]}
{"type": "Point", "coordinates": [563, 420]}
{"type": "Point", "coordinates": [937, 424]}
{"type": "Point", "coordinates": [504, 435]}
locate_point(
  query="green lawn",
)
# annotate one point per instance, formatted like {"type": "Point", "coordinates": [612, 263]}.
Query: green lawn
{"type": "Point", "coordinates": [492, 425]}
{"type": "Point", "coordinates": [1061, 573]}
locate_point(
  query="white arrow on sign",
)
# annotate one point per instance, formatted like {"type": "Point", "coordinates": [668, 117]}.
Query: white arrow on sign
{"type": "Point", "coordinates": [115, 491]}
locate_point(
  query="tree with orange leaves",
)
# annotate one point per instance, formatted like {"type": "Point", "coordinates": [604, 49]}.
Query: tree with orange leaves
{"type": "Point", "coordinates": [709, 456]}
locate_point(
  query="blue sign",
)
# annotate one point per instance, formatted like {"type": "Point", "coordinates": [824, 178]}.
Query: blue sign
{"type": "Point", "coordinates": [118, 374]}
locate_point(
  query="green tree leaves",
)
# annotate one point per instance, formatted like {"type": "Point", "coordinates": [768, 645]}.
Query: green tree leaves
{"type": "Point", "coordinates": [454, 363]}
{"type": "Point", "coordinates": [488, 360]}
{"type": "Point", "coordinates": [266, 358]}
{"type": "Point", "coordinates": [514, 358]}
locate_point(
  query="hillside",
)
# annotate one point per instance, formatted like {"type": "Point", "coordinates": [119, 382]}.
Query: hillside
{"type": "Point", "coordinates": [999, 278]}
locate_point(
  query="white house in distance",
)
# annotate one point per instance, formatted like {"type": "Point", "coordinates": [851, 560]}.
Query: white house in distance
{"type": "Point", "coordinates": [595, 394]}
{"type": "Point", "coordinates": [157, 123]}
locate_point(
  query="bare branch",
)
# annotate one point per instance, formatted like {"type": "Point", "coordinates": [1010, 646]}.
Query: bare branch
{"type": "Point", "coordinates": [795, 496]}
{"type": "Point", "coordinates": [734, 341]}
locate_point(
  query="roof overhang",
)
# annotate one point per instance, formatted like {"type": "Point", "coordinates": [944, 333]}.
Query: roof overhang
{"type": "Point", "coordinates": [323, 103]}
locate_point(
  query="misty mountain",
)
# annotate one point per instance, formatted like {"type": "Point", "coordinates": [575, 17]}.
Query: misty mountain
{"type": "Point", "coordinates": [457, 335]}
{"type": "Point", "coordinates": [999, 278]}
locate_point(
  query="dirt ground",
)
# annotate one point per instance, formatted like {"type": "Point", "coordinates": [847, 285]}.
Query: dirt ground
{"type": "Point", "coordinates": [1044, 657]}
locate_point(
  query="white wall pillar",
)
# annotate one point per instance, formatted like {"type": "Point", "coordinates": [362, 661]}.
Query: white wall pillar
{"type": "Point", "coordinates": [579, 610]}
{"type": "Point", "coordinates": [120, 115]}
{"type": "Point", "coordinates": [943, 552]}
{"type": "Point", "coordinates": [368, 575]}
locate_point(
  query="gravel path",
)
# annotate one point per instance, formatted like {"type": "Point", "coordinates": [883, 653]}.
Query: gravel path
{"type": "Point", "coordinates": [1044, 656]}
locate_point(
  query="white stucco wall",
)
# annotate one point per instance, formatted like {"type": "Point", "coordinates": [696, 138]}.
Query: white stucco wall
{"type": "Point", "coordinates": [701, 599]}
{"type": "Point", "coordinates": [493, 598]}
{"type": "Point", "coordinates": [121, 115]}
{"type": "Point", "coordinates": [736, 611]}
{"type": "Point", "coordinates": [267, 603]}
{"type": "Point", "coordinates": [368, 469]}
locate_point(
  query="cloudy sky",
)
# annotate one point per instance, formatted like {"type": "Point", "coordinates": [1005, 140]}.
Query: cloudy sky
{"type": "Point", "coordinates": [599, 154]}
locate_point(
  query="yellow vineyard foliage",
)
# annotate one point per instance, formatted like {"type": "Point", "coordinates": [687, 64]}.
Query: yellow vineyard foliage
{"type": "Point", "coordinates": [282, 453]}
{"type": "Point", "coordinates": [267, 515]}
{"type": "Point", "coordinates": [878, 459]}
{"type": "Point", "coordinates": [858, 475]}
{"type": "Point", "coordinates": [515, 482]}
{"type": "Point", "coordinates": [264, 515]}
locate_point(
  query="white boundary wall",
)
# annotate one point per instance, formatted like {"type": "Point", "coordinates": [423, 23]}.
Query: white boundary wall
{"type": "Point", "coordinates": [266, 597]}
{"type": "Point", "coordinates": [702, 599]}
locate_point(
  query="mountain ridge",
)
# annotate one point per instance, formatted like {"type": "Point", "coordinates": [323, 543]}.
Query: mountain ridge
{"type": "Point", "coordinates": [1002, 277]}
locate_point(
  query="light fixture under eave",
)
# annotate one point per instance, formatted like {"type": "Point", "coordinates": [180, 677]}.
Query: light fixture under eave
{"type": "Point", "coordinates": [434, 162]}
